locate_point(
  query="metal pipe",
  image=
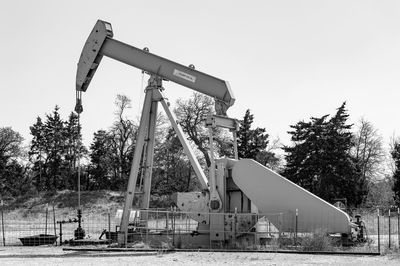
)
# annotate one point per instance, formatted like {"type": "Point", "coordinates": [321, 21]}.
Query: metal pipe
{"type": "Point", "coordinates": [79, 166]}
{"type": "Point", "coordinates": [224, 250]}
{"type": "Point", "coordinates": [212, 166]}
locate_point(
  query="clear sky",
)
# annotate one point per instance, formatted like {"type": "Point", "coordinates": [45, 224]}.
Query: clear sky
{"type": "Point", "coordinates": [286, 60]}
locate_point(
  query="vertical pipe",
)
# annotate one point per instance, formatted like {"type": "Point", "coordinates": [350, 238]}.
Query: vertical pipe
{"type": "Point", "coordinates": [379, 236]}
{"type": "Point", "coordinates": [389, 230]}
{"type": "Point", "coordinates": [269, 227]}
{"type": "Point", "coordinates": [212, 166]}
{"type": "Point", "coordinates": [79, 167]}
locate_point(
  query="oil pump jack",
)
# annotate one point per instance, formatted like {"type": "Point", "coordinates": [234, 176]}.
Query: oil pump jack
{"type": "Point", "coordinates": [100, 43]}
{"type": "Point", "coordinates": [233, 185]}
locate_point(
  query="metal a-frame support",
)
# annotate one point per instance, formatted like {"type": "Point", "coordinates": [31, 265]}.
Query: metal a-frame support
{"type": "Point", "coordinates": [144, 151]}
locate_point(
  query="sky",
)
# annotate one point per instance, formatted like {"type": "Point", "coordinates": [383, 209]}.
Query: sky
{"type": "Point", "coordinates": [285, 60]}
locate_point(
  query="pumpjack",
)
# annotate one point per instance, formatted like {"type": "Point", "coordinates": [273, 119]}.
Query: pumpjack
{"type": "Point", "coordinates": [233, 185]}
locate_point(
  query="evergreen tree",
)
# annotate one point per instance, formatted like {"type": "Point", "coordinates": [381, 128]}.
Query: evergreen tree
{"type": "Point", "coordinates": [304, 159]}
{"type": "Point", "coordinates": [250, 141]}
{"type": "Point", "coordinates": [38, 154]}
{"type": "Point", "coordinates": [53, 150]}
{"type": "Point", "coordinates": [396, 175]}
{"type": "Point", "coordinates": [54, 132]}
{"type": "Point", "coordinates": [320, 159]}
{"type": "Point", "coordinates": [74, 150]}
{"type": "Point", "coordinates": [100, 162]}
{"type": "Point", "coordinates": [253, 143]}
{"type": "Point", "coordinates": [14, 181]}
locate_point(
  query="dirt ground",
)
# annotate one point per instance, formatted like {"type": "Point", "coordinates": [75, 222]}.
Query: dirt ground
{"type": "Point", "coordinates": [57, 256]}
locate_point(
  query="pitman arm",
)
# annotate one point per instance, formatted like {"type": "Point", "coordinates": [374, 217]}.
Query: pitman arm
{"type": "Point", "coordinates": [100, 43]}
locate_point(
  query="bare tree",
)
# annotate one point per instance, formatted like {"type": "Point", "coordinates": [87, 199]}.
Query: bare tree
{"type": "Point", "coordinates": [275, 147]}
{"type": "Point", "coordinates": [122, 135]}
{"type": "Point", "coordinates": [10, 143]}
{"type": "Point", "coordinates": [369, 151]}
{"type": "Point", "coordinates": [191, 114]}
{"type": "Point", "coordinates": [13, 178]}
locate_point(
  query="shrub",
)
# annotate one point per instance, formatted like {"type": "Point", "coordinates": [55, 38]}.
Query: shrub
{"type": "Point", "coordinates": [319, 241]}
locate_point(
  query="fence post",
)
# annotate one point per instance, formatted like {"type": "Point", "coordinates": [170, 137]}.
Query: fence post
{"type": "Point", "coordinates": [379, 236]}
{"type": "Point", "coordinates": [61, 233]}
{"type": "Point", "coordinates": [173, 227]}
{"type": "Point", "coordinates": [166, 223]}
{"type": "Point", "coordinates": [280, 222]}
{"type": "Point", "coordinates": [389, 229]}
{"type": "Point", "coordinates": [166, 220]}
{"type": "Point", "coordinates": [295, 229]}
{"type": "Point", "coordinates": [398, 227]}
{"type": "Point", "coordinates": [255, 231]}
{"type": "Point", "coordinates": [157, 231]}
{"type": "Point", "coordinates": [109, 226]}
{"type": "Point", "coordinates": [54, 224]}
{"type": "Point", "coordinates": [2, 222]}
{"type": "Point", "coordinates": [234, 228]}
{"type": "Point", "coordinates": [47, 214]}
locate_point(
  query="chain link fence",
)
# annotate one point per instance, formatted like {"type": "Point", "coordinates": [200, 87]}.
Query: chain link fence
{"type": "Point", "coordinates": [160, 228]}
